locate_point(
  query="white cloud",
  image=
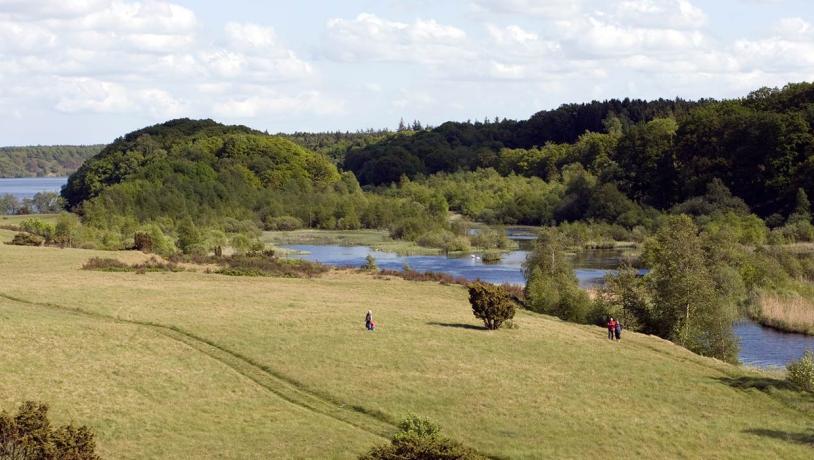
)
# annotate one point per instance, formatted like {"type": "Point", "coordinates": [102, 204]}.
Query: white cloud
{"type": "Point", "coordinates": [679, 14]}
{"type": "Point", "coordinates": [370, 38]}
{"type": "Point", "coordinates": [122, 56]}
{"type": "Point", "coordinates": [543, 8]}
{"type": "Point", "coordinates": [262, 102]}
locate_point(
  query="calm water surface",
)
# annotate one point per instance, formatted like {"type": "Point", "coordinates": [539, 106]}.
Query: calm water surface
{"type": "Point", "coordinates": [27, 187]}
{"type": "Point", "coordinates": [759, 346]}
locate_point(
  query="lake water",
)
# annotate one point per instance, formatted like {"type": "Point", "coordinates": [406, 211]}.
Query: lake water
{"type": "Point", "coordinates": [27, 187]}
{"type": "Point", "coordinates": [759, 346]}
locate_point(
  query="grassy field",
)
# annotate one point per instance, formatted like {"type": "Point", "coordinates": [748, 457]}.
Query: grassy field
{"type": "Point", "coordinates": [377, 239]}
{"type": "Point", "coordinates": [192, 365]}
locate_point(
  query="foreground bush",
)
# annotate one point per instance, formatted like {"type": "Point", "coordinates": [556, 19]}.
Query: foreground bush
{"type": "Point", "coordinates": [491, 304]}
{"type": "Point", "coordinates": [260, 264]}
{"type": "Point", "coordinates": [27, 239]}
{"type": "Point", "coordinates": [420, 439]}
{"type": "Point", "coordinates": [801, 372]}
{"type": "Point", "coordinates": [104, 264]}
{"type": "Point", "coordinates": [29, 435]}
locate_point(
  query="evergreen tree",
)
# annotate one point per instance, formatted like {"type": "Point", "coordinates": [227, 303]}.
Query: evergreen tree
{"type": "Point", "coordinates": [802, 209]}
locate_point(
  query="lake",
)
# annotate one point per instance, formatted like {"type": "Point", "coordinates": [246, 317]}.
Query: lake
{"type": "Point", "coordinates": [759, 346]}
{"type": "Point", "coordinates": [27, 187]}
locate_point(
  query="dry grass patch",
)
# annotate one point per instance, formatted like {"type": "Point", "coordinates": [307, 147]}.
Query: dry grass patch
{"type": "Point", "coordinates": [788, 312]}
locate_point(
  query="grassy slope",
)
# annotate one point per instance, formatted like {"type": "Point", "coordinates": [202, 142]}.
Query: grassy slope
{"type": "Point", "coordinates": [548, 388]}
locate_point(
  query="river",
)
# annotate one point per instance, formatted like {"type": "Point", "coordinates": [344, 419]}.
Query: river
{"type": "Point", "coordinates": [27, 187]}
{"type": "Point", "coordinates": [759, 346]}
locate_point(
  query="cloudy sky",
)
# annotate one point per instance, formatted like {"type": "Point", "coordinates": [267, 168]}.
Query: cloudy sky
{"type": "Point", "coordinates": [87, 71]}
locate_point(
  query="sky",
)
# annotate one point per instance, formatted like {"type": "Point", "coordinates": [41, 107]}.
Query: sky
{"type": "Point", "coordinates": [88, 71]}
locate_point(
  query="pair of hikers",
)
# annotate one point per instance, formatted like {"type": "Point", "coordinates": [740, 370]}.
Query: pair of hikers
{"type": "Point", "coordinates": [369, 324]}
{"type": "Point", "coordinates": [614, 329]}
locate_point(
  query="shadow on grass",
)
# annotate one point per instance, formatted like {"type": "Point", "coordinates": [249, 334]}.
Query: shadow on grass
{"type": "Point", "coordinates": [459, 325]}
{"type": "Point", "coordinates": [801, 438]}
{"type": "Point", "coordinates": [758, 383]}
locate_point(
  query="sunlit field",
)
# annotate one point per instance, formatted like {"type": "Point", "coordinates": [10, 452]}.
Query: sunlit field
{"type": "Point", "coordinates": [190, 365]}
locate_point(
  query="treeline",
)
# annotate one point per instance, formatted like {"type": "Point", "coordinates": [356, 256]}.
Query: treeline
{"type": "Point", "coordinates": [454, 146]}
{"type": "Point", "coordinates": [40, 160]}
{"type": "Point", "coordinates": [202, 178]}
{"type": "Point", "coordinates": [336, 144]}
{"type": "Point", "coordinates": [658, 153]}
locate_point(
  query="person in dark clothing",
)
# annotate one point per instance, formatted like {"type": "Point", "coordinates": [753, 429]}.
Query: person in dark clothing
{"type": "Point", "coordinates": [611, 328]}
{"type": "Point", "coordinates": [618, 330]}
{"type": "Point", "coordinates": [369, 324]}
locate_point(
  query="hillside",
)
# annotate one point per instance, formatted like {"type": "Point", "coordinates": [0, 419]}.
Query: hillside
{"type": "Point", "coordinates": [171, 365]}
{"type": "Point", "coordinates": [658, 153]}
{"type": "Point", "coordinates": [193, 168]}
{"type": "Point", "coordinates": [44, 160]}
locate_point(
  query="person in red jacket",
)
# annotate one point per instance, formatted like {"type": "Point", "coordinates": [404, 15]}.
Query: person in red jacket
{"type": "Point", "coordinates": [611, 328]}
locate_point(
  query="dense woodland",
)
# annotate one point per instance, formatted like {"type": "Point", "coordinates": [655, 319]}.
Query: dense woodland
{"type": "Point", "coordinates": [39, 161]}
{"type": "Point", "coordinates": [658, 153]}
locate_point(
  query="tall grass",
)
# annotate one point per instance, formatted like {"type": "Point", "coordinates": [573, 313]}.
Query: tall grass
{"type": "Point", "coordinates": [788, 312]}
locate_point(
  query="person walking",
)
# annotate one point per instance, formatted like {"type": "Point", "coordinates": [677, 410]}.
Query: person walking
{"type": "Point", "coordinates": [369, 324]}
{"type": "Point", "coordinates": [611, 328]}
{"type": "Point", "coordinates": [618, 330]}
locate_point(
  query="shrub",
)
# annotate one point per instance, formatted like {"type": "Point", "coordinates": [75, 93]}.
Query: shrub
{"type": "Point", "coordinates": [105, 265]}
{"type": "Point", "coordinates": [419, 439]}
{"type": "Point", "coordinates": [114, 265]}
{"type": "Point", "coordinates": [491, 257]}
{"type": "Point", "coordinates": [265, 264]}
{"type": "Point", "coordinates": [801, 372]}
{"type": "Point", "coordinates": [66, 231]}
{"type": "Point", "coordinates": [27, 239]}
{"type": "Point", "coordinates": [142, 242]}
{"type": "Point", "coordinates": [283, 223]}
{"type": "Point", "coordinates": [370, 263]}
{"type": "Point", "coordinates": [29, 435]}
{"type": "Point", "coordinates": [39, 228]}
{"type": "Point", "coordinates": [491, 304]}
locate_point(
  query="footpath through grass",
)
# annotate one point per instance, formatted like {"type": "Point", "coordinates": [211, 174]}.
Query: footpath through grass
{"type": "Point", "coordinates": [546, 389]}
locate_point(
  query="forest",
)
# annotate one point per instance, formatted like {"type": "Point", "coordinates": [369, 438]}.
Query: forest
{"type": "Point", "coordinates": [40, 161]}
{"type": "Point", "coordinates": [657, 153]}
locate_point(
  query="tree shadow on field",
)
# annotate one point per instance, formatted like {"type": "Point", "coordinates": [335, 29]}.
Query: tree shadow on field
{"type": "Point", "coordinates": [459, 325]}
{"type": "Point", "coordinates": [800, 438]}
{"type": "Point", "coordinates": [758, 383]}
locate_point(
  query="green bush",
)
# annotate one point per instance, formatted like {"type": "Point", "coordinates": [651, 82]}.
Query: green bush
{"type": "Point", "coordinates": [283, 223]}
{"type": "Point", "coordinates": [27, 239]}
{"type": "Point", "coordinates": [370, 263]}
{"type": "Point", "coordinates": [490, 303]}
{"type": "Point", "coordinates": [30, 435]}
{"type": "Point", "coordinates": [801, 372]}
{"type": "Point", "coordinates": [420, 439]}
{"type": "Point", "coordinates": [38, 227]}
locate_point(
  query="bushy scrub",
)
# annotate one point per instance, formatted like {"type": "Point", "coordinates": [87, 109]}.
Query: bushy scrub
{"type": "Point", "coordinates": [552, 287]}
{"type": "Point", "coordinates": [624, 296]}
{"type": "Point", "coordinates": [801, 372]}
{"type": "Point", "coordinates": [420, 439]}
{"type": "Point", "coordinates": [27, 239]}
{"type": "Point", "coordinates": [30, 435]}
{"type": "Point", "coordinates": [370, 263]}
{"type": "Point", "coordinates": [283, 223]}
{"type": "Point", "coordinates": [490, 303]}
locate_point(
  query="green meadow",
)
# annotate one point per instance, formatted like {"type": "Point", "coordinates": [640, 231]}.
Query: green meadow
{"type": "Point", "coordinates": [193, 365]}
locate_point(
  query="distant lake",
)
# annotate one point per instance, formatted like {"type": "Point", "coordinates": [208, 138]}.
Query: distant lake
{"type": "Point", "coordinates": [27, 187]}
